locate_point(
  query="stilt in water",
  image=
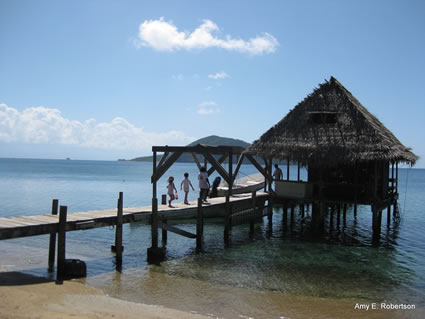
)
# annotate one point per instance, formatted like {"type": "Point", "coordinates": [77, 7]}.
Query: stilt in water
{"type": "Point", "coordinates": [254, 207]}
{"type": "Point", "coordinates": [331, 218]}
{"type": "Point", "coordinates": [52, 243]}
{"type": "Point", "coordinates": [60, 271]}
{"type": "Point", "coordinates": [164, 233]}
{"type": "Point", "coordinates": [118, 247]}
{"type": "Point", "coordinates": [389, 216]}
{"type": "Point", "coordinates": [199, 225]}
{"type": "Point", "coordinates": [227, 220]}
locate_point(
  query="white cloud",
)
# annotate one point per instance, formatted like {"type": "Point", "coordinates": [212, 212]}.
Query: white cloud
{"type": "Point", "coordinates": [208, 108]}
{"type": "Point", "coordinates": [41, 125]}
{"type": "Point", "coordinates": [164, 36]}
{"type": "Point", "coordinates": [218, 76]}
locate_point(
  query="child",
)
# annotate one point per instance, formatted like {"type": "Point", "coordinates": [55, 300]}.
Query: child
{"type": "Point", "coordinates": [171, 188]}
{"type": "Point", "coordinates": [185, 184]}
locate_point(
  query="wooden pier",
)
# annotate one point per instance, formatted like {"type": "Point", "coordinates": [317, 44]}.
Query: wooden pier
{"type": "Point", "coordinates": [245, 208]}
{"type": "Point", "coordinates": [23, 226]}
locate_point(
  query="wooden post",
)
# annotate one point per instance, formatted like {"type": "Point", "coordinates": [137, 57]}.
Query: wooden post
{"type": "Point", "coordinates": [338, 215]}
{"type": "Point", "coordinates": [52, 243]}
{"type": "Point", "coordinates": [302, 209]}
{"type": "Point", "coordinates": [227, 220]}
{"type": "Point", "coordinates": [270, 173]}
{"type": "Point", "coordinates": [60, 272]}
{"type": "Point", "coordinates": [376, 221]}
{"type": "Point", "coordinates": [287, 169]}
{"type": "Point", "coordinates": [163, 199]}
{"type": "Point", "coordinates": [292, 213]}
{"type": "Point", "coordinates": [285, 213]}
{"type": "Point", "coordinates": [388, 216]}
{"type": "Point", "coordinates": [254, 207]}
{"type": "Point", "coordinates": [356, 188]}
{"type": "Point", "coordinates": [396, 177]}
{"type": "Point", "coordinates": [344, 212]}
{"type": "Point", "coordinates": [298, 172]}
{"type": "Point", "coordinates": [230, 173]}
{"type": "Point", "coordinates": [331, 217]}
{"type": "Point", "coordinates": [164, 232]}
{"type": "Point", "coordinates": [118, 232]}
{"type": "Point", "coordinates": [270, 208]}
{"type": "Point", "coordinates": [199, 225]}
{"type": "Point", "coordinates": [154, 223]}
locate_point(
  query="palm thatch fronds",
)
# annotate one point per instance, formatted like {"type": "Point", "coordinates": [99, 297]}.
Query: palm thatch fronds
{"type": "Point", "coordinates": [330, 127]}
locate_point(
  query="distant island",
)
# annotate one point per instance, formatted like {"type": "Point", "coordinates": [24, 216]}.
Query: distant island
{"type": "Point", "coordinates": [212, 140]}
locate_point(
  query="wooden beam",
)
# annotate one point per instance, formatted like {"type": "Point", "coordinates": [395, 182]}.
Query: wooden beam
{"type": "Point", "coordinates": [160, 170]}
{"type": "Point", "coordinates": [259, 167]}
{"type": "Point", "coordinates": [196, 159]}
{"type": "Point", "coordinates": [238, 165]}
{"type": "Point", "coordinates": [220, 160]}
{"type": "Point", "coordinates": [163, 158]}
{"type": "Point", "coordinates": [217, 165]}
{"type": "Point", "coordinates": [176, 230]}
{"type": "Point", "coordinates": [198, 148]}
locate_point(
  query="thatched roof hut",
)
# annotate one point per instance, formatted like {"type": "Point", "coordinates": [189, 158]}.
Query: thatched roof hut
{"type": "Point", "coordinates": [331, 127]}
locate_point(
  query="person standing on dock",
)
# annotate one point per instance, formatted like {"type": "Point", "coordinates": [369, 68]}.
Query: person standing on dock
{"type": "Point", "coordinates": [277, 173]}
{"type": "Point", "coordinates": [185, 185]}
{"type": "Point", "coordinates": [204, 184]}
{"type": "Point", "coordinates": [171, 188]}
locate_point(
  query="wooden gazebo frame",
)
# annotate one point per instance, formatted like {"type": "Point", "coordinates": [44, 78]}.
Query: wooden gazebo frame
{"type": "Point", "coordinates": [172, 153]}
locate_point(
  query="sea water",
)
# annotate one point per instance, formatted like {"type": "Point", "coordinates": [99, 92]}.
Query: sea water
{"type": "Point", "coordinates": [282, 270]}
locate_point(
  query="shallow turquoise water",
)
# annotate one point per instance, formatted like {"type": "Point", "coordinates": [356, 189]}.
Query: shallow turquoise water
{"type": "Point", "coordinates": [279, 260]}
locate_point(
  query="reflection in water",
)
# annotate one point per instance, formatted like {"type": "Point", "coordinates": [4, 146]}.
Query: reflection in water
{"type": "Point", "coordinates": [283, 262]}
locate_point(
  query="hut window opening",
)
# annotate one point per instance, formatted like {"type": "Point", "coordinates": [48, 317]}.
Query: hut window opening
{"type": "Point", "coordinates": [323, 117]}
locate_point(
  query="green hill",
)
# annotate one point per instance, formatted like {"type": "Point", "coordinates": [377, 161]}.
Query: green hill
{"type": "Point", "coordinates": [212, 140]}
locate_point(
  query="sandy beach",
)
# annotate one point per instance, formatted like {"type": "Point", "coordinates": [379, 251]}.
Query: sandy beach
{"type": "Point", "coordinates": [25, 296]}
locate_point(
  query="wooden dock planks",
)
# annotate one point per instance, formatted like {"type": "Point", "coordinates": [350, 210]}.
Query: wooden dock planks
{"type": "Point", "coordinates": [23, 226]}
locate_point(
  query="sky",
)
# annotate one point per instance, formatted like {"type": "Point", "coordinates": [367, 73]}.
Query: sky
{"type": "Point", "coordinates": [105, 79]}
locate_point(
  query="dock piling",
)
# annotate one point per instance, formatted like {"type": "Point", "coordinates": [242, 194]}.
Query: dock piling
{"type": "Point", "coordinates": [118, 232]}
{"type": "Point", "coordinates": [227, 219]}
{"type": "Point", "coordinates": [254, 206]}
{"type": "Point", "coordinates": [52, 243]}
{"type": "Point", "coordinates": [199, 225]}
{"type": "Point", "coordinates": [60, 272]}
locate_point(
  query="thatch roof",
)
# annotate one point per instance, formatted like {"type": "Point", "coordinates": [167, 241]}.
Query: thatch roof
{"type": "Point", "coordinates": [330, 126]}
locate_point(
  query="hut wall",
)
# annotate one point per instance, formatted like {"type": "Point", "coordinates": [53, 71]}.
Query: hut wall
{"type": "Point", "coordinates": [363, 183]}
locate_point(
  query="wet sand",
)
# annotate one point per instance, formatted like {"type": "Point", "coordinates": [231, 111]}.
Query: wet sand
{"type": "Point", "coordinates": [25, 296]}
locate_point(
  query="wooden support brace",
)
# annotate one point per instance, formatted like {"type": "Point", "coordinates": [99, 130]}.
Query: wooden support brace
{"type": "Point", "coordinates": [220, 160]}
{"type": "Point", "coordinates": [216, 165]}
{"type": "Point", "coordinates": [196, 159]}
{"type": "Point", "coordinates": [160, 170]}
{"type": "Point", "coordinates": [176, 230]}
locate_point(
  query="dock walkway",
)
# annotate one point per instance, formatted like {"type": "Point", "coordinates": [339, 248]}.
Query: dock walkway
{"type": "Point", "coordinates": [23, 226]}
